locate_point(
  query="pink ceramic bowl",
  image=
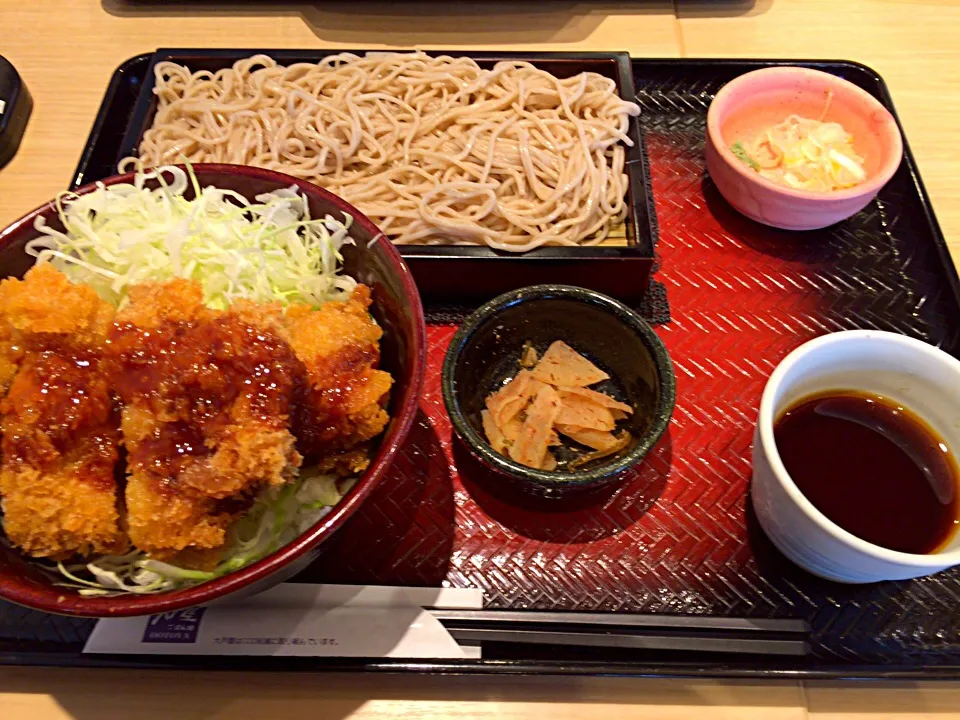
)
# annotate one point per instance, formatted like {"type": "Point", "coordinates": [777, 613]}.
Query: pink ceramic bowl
{"type": "Point", "coordinates": [403, 351]}
{"type": "Point", "coordinates": [759, 99]}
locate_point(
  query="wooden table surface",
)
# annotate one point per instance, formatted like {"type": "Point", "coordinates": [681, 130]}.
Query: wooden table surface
{"type": "Point", "coordinates": [66, 52]}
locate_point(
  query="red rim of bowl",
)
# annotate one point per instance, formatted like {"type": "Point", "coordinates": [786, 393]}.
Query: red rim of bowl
{"type": "Point", "coordinates": [50, 599]}
{"type": "Point", "coordinates": [870, 187]}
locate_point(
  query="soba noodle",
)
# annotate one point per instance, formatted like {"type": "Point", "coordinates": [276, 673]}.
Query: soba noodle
{"type": "Point", "coordinates": [433, 150]}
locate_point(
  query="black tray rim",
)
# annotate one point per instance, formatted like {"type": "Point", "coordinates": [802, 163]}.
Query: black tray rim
{"type": "Point", "coordinates": [100, 120]}
{"type": "Point", "coordinates": [733, 670]}
{"type": "Point", "coordinates": [738, 667]}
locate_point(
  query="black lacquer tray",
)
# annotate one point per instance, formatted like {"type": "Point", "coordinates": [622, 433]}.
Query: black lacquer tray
{"type": "Point", "coordinates": [679, 537]}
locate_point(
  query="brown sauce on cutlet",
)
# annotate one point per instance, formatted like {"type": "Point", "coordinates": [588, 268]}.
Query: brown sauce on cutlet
{"type": "Point", "coordinates": [321, 416]}
{"type": "Point", "coordinates": [194, 376]}
{"type": "Point", "coordinates": [60, 406]}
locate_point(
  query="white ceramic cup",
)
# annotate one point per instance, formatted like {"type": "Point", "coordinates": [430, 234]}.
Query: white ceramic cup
{"type": "Point", "coordinates": [913, 373]}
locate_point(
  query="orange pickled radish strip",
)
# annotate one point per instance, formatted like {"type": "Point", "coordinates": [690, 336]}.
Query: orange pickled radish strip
{"type": "Point", "coordinates": [549, 462]}
{"type": "Point", "coordinates": [511, 430]}
{"type": "Point", "coordinates": [597, 439]}
{"type": "Point", "coordinates": [531, 447]}
{"type": "Point", "coordinates": [598, 397]}
{"type": "Point", "coordinates": [522, 418]}
{"type": "Point", "coordinates": [508, 401]}
{"type": "Point", "coordinates": [496, 438]}
{"type": "Point", "coordinates": [562, 365]}
{"type": "Point", "coordinates": [575, 410]}
{"type": "Point", "coordinates": [622, 441]}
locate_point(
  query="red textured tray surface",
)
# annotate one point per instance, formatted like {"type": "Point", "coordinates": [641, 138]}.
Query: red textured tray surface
{"type": "Point", "coordinates": [678, 536]}
{"type": "Point", "coordinates": [674, 537]}
{"type": "Point", "coordinates": [676, 519]}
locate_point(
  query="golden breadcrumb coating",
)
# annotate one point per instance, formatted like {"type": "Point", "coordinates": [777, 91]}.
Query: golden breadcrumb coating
{"type": "Point", "coordinates": [346, 397]}
{"type": "Point", "coordinates": [211, 406]}
{"type": "Point", "coordinates": [45, 302]}
{"type": "Point", "coordinates": [59, 423]}
{"type": "Point", "coordinates": [207, 401]}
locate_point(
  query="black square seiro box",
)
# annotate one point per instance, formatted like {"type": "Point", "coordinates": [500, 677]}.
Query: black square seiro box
{"type": "Point", "coordinates": [468, 275]}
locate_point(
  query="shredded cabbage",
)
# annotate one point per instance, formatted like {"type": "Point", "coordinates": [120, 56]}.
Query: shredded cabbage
{"type": "Point", "coordinates": [805, 154]}
{"type": "Point", "coordinates": [126, 234]}
{"type": "Point", "coordinates": [278, 516]}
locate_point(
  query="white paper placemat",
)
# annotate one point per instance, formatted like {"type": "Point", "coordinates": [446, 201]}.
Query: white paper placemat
{"type": "Point", "coordinates": [299, 620]}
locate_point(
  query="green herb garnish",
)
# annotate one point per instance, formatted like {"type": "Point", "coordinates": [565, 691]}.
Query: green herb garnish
{"type": "Point", "coordinates": [741, 152]}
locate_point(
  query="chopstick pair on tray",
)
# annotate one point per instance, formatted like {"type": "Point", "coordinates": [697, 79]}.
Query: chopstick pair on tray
{"type": "Point", "coordinates": [628, 631]}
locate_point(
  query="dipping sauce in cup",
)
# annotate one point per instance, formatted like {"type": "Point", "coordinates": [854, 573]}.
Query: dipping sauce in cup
{"type": "Point", "coordinates": [873, 467]}
{"type": "Point", "coordinates": [855, 493]}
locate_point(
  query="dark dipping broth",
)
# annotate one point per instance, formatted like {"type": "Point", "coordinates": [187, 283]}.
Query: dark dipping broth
{"type": "Point", "coordinates": [872, 467]}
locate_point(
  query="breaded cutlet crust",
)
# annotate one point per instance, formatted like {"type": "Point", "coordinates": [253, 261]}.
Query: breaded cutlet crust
{"type": "Point", "coordinates": [339, 344]}
{"type": "Point", "coordinates": [207, 400]}
{"type": "Point", "coordinates": [60, 433]}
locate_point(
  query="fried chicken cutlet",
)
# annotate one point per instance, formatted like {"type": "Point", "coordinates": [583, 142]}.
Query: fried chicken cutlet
{"type": "Point", "coordinates": [208, 397]}
{"type": "Point", "coordinates": [60, 431]}
{"type": "Point", "coordinates": [344, 404]}
{"type": "Point", "coordinates": [11, 353]}
{"type": "Point", "coordinates": [214, 406]}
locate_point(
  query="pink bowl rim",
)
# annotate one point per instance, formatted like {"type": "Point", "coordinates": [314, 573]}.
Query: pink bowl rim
{"type": "Point", "coordinates": [892, 136]}
{"type": "Point", "coordinates": [52, 599]}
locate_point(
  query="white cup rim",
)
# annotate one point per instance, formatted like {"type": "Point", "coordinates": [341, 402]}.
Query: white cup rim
{"type": "Point", "coordinates": [765, 422]}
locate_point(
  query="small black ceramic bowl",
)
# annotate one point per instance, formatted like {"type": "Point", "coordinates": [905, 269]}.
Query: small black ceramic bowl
{"type": "Point", "coordinates": [486, 350]}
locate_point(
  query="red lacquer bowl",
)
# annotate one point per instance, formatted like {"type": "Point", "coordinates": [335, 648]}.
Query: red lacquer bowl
{"type": "Point", "coordinates": [396, 307]}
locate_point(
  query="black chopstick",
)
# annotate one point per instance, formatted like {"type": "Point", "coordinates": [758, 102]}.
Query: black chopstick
{"type": "Point", "coordinates": [629, 631]}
